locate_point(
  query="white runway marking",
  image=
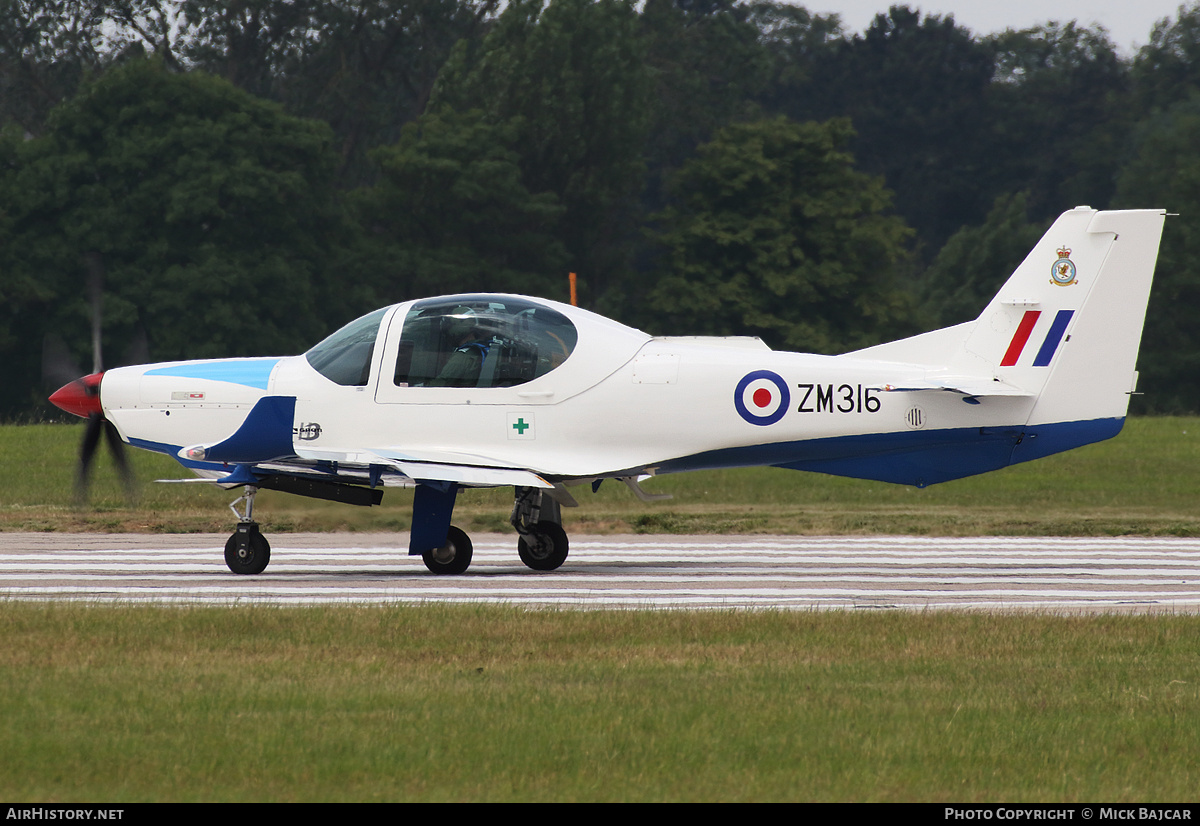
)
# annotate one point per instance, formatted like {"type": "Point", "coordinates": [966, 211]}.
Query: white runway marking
{"type": "Point", "coordinates": [802, 572]}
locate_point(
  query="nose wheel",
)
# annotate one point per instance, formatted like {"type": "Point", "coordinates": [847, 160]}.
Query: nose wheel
{"type": "Point", "coordinates": [247, 551]}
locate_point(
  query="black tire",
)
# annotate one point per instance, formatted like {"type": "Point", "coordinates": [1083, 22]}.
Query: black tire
{"type": "Point", "coordinates": [452, 558]}
{"type": "Point", "coordinates": [255, 558]}
{"type": "Point", "coordinates": [545, 547]}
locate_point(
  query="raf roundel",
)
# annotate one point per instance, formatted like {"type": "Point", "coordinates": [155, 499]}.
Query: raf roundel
{"type": "Point", "coordinates": [761, 397]}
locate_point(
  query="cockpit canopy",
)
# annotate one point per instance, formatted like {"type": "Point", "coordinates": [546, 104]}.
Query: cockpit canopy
{"type": "Point", "coordinates": [464, 341]}
{"type": "Point", "coordinates": [481, 341]}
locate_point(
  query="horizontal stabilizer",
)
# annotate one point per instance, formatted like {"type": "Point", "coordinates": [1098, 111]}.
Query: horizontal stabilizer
{"type": "Point", "coordinates": [965, 385]}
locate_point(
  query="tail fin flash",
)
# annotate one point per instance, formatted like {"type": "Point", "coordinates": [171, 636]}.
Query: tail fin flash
{"type": "Point", "coordinates": [1067, 324]}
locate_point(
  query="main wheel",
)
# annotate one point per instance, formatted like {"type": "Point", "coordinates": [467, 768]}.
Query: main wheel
{"type": "Point", "coordinates": [544, 548]}
{"type": "Point", "coordinates": [252, 557]}
{"type": "Point", "coordinates": [451, 558]}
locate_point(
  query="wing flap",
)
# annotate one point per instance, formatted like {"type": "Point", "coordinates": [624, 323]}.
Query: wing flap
{"type": "Point", "coordinates": [472, 475]}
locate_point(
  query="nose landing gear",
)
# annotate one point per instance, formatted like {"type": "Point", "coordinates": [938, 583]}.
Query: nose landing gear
{"type": "Point", "coordinates": [247, 551]}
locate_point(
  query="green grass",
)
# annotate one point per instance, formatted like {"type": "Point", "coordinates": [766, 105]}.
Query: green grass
{"type": "Point", "coordinates": [441, 703]}
{"type": "Point", "coordinates": [1145, 481]}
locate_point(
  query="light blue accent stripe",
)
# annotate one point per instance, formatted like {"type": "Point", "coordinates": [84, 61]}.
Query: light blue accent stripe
{"type": "Point", "coordinates": [1053, 338]}
{"type": "Point", "coordinates": [249, 372]}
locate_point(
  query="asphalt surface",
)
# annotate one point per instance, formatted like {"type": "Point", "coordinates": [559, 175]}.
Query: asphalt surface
{"type": "Point", "coordinates": [744, 572]}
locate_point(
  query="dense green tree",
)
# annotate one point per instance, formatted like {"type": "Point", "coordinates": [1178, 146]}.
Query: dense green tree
{"type": "Point", "coordinates": [976, 261]}
{"type": "Point", "coordinates": [1166, 96]}
{"type": "Point", "coordinates": [708, 69]}
{"type": "Point", "coordinates": [253, 44]}
{"type": "Point", "coordinates": [366, 67]}
{"type": "Point", "coordinates": [1166, 173]}
{"type": "Point", "coordinates": [572, 79]}
{"type": "Point", "coordinates": [1064, 90]}
{"type": "Point", "coordinates": [208, 215]}
{"type": "Point", "coordinates": [914, 88]}
{"type": "Point", "coordinates": [450, 213]}
{"type": "Point", "coordinates": [1167, 69]}
{"type": "Point", "coordinates": [46, 48]}
{"type": "Point", "coordinates": [796, 41]}
{"type": "Point", "coordinates": [371, 66]}
{"type": "Point", "coordinates": [25, 296]}
{"type": "Point", "coordinates": [774, 233]}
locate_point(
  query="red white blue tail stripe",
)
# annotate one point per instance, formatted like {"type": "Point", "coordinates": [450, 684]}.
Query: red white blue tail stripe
{"type": "Point", "coordinates": [1050, 343]}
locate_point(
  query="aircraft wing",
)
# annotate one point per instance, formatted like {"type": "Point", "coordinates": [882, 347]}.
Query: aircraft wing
{"type": "Point", "coordinates": [467, 470]}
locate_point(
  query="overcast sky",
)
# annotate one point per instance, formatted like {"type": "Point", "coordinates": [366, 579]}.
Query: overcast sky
{"type": "Point", "coordinates": [1128, 21]}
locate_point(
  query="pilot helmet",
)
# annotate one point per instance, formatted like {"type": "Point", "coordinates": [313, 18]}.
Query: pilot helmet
{"type": "Point", "coordinates": [460, 322]}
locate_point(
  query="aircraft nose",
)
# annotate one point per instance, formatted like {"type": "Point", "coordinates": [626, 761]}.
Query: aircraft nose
{"type": "Point", "coordinates": [80, 397]}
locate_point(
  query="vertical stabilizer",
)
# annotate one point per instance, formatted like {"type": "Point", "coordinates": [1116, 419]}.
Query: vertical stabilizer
{"type": "Point", "coordinates": [1092, 371]}
{"type": "Point", "coordinates": [1063, 331]}
{"type": "Point", "coordinates": [1066, 326]}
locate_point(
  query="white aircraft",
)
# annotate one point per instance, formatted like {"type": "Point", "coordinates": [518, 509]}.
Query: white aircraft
{"type": "Point", "coordinates": [504, 390]}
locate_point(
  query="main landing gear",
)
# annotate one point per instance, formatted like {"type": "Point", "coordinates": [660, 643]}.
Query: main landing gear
{"type": "Point", "coordinates": [543, 543]}
{"type": "Point", "coordinates": [247, 551]}
{"type": "Point", "coordinates": [451, 558]}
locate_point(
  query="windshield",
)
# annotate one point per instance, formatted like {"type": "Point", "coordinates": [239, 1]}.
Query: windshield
{"type": "Point", "coordinates": [345, 357]}
{"type": "Point", "coordinates": [481, 341]}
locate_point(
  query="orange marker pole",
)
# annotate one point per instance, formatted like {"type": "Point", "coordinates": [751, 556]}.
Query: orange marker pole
{"type": "Point", "coordinates": [574, 297]}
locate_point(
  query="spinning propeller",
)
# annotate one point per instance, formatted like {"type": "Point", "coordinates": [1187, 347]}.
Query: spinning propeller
{"type": "Point", "coordinates": [81, 396]}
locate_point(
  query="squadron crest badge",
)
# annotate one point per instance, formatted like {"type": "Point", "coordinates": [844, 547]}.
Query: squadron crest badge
{"type": "Point", "coordinates": [1063, 272]}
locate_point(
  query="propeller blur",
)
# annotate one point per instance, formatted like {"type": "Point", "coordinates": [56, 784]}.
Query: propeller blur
{"type": "Point", "coordinates": [502, 390]}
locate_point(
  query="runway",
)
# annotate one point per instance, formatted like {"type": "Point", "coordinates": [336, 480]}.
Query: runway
{"type": "Point", "coordinates": [659, 572]}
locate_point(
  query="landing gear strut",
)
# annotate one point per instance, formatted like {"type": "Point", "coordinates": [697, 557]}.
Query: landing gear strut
{"type": "Point", "coordinates": [247, 551]}
{"type": "Point", "coordinates": [543, 543]}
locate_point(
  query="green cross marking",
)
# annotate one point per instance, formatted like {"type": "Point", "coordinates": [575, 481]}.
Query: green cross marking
{"type": "Point", "coordinates": [521, 426]}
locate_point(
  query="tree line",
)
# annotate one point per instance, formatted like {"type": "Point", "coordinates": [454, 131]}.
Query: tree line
{"type": "Point", "coordinates": [240, 177]}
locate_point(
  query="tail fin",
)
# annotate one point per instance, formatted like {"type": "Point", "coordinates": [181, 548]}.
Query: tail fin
{"type": "Point", "coordinates": [1067, 324]}
{"type": "Point", "coordinates": [1064, 329]}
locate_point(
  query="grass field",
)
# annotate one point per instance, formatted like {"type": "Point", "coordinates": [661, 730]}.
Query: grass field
{"type": "Point", "coordinates": [440, 703]}
{"type": "Point", "coordinates": [118, 704]}
{"type": "Point", "coordinates": [1145, 481]}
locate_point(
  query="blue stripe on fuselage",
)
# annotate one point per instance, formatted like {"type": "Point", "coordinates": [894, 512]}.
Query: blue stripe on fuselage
{"type": "Point", "coordinates": [249, 372]}
{"type": "Point", "coordinates": [921, 458]}
{"type": "Point", "coordinates": [173, 452]}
